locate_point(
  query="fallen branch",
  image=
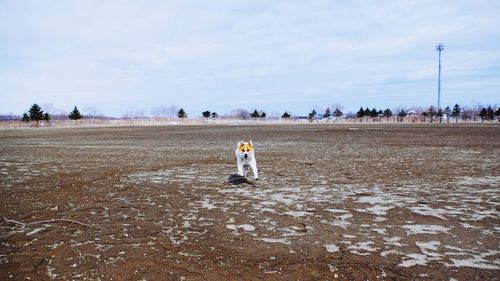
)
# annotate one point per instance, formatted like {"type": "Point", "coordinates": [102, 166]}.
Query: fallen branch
{"type": "Point", "coordinates": [46, 221]}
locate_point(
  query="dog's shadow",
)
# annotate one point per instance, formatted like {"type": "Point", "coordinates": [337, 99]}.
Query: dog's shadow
{"type": "Point", "coordinates": [237, 180]}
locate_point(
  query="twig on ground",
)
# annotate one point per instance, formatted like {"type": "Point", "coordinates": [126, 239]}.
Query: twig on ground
{"type": "Point", "coordinates": [46, 221]}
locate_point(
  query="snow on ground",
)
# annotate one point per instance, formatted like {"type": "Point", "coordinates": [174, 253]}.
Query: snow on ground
{"type": "Point", "coordinates": [275, 212]}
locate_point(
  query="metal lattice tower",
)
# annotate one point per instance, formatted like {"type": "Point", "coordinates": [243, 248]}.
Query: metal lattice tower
{"type": "Point", "coordinates": [439, 48]}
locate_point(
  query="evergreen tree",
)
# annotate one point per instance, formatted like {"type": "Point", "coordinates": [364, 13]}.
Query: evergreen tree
{"type": "Point", "coordinates": [368, 112]}
{"type": "Point", "coordinates": [387, 113]}
{"type": "Point", "coordinates": [490, 114]}
{"type": "Point", "coordinates": [75, 115]}
{"type": "Point", "coordinates": [483, 114]}
{"type": "Point", "coordinates": [497, 113]}
{"type": "Point", "coordinates": [26, 118]}
{"type": "Point", "coordinates": [401, 115]}
{"type": "Point", "coordinates": [337, 112]}
{"type": "Point", "coordinates": [361, 112]}
{"type": "Point", "coordinates": [181, 114]}
{"type": "Point", "coordinates": [425, 114]}
{"type": "Point", "coordinates": [447, 110]}
{"type": "Point", "coordinates": [285, 115]}
{"type": "Point", "coordinates": [206, 114]}
{"type": "Point", "coordinates": [373, 113]}
{"type": "Point", "coordinates": [312, 116]}
{"type": "Point", "coordinates": [432, 111]}
{"type": "Point", "coordinates": [456, 112]}
{"type": "Point", "coordinates": [215, 115]}
{"type": "Point", "coordinates": [36, 113]}
{"type": "Point", "coordinates": [440, 115]}
{"type": "Point", "coordinates": [327, 113]}
{"type": "Point", "coordinates": [439, 112]}
{"type": "Point", "coordinates": [262, 114]}
{"type": "Point", "coordinates": [46, 117]}
{"type": "Point", "coordinates": [255, 114]}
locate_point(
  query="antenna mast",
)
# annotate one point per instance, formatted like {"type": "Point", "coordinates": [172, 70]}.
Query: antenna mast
{"type": "Point", "coordinates": [439, 48]}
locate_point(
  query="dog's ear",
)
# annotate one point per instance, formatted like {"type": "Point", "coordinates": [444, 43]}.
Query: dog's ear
{"type": "Point", "coordinates": [239, 143]}
{"type": "Point", "coordinates": [250, 142]}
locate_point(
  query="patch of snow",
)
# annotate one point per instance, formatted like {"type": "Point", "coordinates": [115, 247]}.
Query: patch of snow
{"type": "Point", "coordinates": [379, 210]}
{"type": "Point", "coordinates": [390, 252]}
{"type": "Point", "coordinates": [286, 199]}
{"type": "Point", "coordinates": [268, 210]}
{"type": "Point", "coordinates": [275, 240]}
{"type": "Point", "coordinates": [296, 213]}
{"type": "Point", "coordinates": [479, 215]}
{"type": "Point", "coordinates": [425, 247]}
{"type": "Point", "coordinates": [361, 246]}
{"type": "Point", "coordinates": [336, 211]}
{"type": "Point", "coordinates": [414, 259]}
{"type": "Point", "coordinates": [478, 261]}
{"type": "Point", "coordinates": [431, 245]}
{"type": "Point", "coordinates": [425, 210]}
{"type": "Point", "coordinates": [467, 181]}
{"type": "Point", "coordinates": [332, 248]}
{"type": "Point", "coordinates": [466, 225]}
{"type": "Point", "coordinates": [393, 241]}
{"type": "Point", "coordinates": [207, 205]}
{"type": "Point", "coordinates": [247, 227]}
{"type": "Point", "coordinates": [378, 230]}
{"type": "Point", "coordinates": [425, 229]}
{"type": "Point", "coordinates": [231, 227]}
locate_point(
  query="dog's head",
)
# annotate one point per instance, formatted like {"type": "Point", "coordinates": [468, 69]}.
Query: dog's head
{"type": "Point", "coordinates": [245, 148]}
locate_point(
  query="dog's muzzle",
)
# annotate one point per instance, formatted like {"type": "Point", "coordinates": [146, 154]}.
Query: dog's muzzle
{"type": "Point", "coordinates": [245, 155]}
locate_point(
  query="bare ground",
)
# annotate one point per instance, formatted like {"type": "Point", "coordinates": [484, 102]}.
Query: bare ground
{"type": "Point", "coordinates": [334, 202]}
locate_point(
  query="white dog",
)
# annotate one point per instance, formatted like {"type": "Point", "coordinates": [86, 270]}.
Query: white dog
{"type": "Point", "coordinates": [245, 157]}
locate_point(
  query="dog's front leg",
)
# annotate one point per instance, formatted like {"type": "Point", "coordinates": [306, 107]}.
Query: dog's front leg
{"type": "Point", "coordinates": [253, 165]}
{"type": "Point", "coordinates": [240, 168]}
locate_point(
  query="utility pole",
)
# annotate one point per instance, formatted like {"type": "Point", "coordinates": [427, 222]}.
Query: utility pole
{"type": "Point", "coordinates": [439, 48]}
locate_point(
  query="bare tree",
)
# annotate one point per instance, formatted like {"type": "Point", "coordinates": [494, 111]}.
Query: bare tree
{"type": "Point", "coordinates": [240, 113]}
{"type": "Point", "coordinates": [164, 111]}
{"type": "Point", "coordinates": [140, 113]}
{"type": "Point", "coordinates": [49, 108]}
{"type": "Point", "coordinates": [53, 111]}
{"type": "Point", "coordinates": [91, 111]}
{"type": "Point", "coordinates": [160, 111]}
{"type": "Point", "coordinates": [129, 114]}
{"type": "Point", "coordinates": [337, 107]}
{"type": "Point", "coordinates": [475, 110]}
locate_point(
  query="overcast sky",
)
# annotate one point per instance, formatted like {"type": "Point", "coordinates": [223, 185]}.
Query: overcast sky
{"type": "Point", "coordinates": [120, 56]}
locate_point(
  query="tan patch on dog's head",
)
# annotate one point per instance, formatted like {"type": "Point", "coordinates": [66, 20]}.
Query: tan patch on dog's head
{"type": "Point", "coordinates": [245, 147]}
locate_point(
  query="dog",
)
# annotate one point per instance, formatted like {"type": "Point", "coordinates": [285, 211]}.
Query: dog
{"type": "Point", "coordinates": [245, 157]}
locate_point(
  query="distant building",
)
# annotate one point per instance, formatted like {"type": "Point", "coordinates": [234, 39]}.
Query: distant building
{"type": "Point", "coordinates": [411, 112]}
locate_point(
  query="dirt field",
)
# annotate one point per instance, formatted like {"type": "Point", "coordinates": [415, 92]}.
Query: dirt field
{"type": "Point", "coordinates": [334, 202]}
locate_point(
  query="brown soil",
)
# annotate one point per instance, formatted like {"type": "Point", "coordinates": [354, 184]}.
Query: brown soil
{"type": "Point", "coordinates": [334, 202]}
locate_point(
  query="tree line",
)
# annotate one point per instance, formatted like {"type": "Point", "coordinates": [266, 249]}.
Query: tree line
{"type": "Point", "coordinates": [36, 114]}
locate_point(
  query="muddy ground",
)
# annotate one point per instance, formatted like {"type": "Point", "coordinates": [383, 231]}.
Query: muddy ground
{"type": "Point", "coordinates": [334, 202]}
